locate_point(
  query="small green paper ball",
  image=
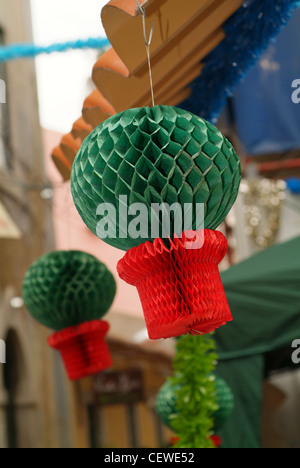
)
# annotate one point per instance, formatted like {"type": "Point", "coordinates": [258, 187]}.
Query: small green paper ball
{"type": "Point", "coordinates": [166, 402]}
{"type": "Point", "coordinates": [62, 289]}
{"type": "Point", "coordinates": [167, 397]}
{"type": "Point", "coordinates": [225, 400]}
{"type": "Point", "coordinates": [154, 155]}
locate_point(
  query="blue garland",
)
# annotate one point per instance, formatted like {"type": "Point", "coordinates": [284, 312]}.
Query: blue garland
{"type": "Point", "coordinates": [17, 51]}
{"type": "Point", "coordinates": [248, 33]}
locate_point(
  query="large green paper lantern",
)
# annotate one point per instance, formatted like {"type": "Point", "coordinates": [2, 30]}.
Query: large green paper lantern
{"type": "Point", "coordinates": [167, 397]}
{"type": "Point", "coordinates": [154, 155]}
{"type": "Point", "coordinates": [71, 292]}
{"type": "Point", "coordinates": [63, 289]}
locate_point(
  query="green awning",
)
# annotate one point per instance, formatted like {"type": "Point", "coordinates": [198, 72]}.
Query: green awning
{"type": "Point", "coordinates": [264, 296]}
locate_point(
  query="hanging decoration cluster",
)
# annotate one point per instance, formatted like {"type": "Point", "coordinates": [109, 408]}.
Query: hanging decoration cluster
{"type": "Point", "coordinates": [70, 292]}
{"type": "Point", "coordinates": [168, 165]}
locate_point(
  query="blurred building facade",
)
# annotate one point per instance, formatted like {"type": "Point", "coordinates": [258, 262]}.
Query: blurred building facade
{"type": "Point", "coordinates": [39, 408]}
{"type": "Point", "coordinates": [35, 398]}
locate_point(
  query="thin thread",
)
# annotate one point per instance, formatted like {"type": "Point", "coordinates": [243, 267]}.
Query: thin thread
{"type": "Point", "coordinates": [150, 75]}
{"type": "Point", "coordinates": [17, 51]}
{"type": "Point", "coordinates": [148, 44]}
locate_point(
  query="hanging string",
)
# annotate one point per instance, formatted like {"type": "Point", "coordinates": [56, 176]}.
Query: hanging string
{"type": "Point", "coordinates": [148, 41]}
{"type": "Point", "coordinates": [17, 51]}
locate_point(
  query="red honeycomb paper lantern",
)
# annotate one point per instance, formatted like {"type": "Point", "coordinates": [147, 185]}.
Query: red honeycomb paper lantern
{"type": "Point", "coordinates": [83, 348]}
{"type": "Point", "coordinates": [180, 287]}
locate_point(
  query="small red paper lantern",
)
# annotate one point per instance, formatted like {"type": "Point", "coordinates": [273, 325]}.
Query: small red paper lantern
{"type": "Point", "coordinates": [83, 348]}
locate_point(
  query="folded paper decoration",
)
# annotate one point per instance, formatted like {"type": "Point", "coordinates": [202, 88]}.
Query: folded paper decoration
{"type": "Point", "coordinates": [225, 401]}
{"type": "Point", "coordinates": [83, 348]}
{"type": "Point", "coordinates": [165, 157]}
{"type": "Point", "coordinates": [199, 53]}
{"type": "Point", "coordinates": [180, 287]}
{"type": "Point", "coordinates": [165, 404]}
{"type": "Point", "coordinates": [70, 292]}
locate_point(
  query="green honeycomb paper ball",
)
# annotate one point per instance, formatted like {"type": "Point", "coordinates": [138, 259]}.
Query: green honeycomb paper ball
{"type": "Point", "coordinates": [62, 289]}
{"type": "Point", "coordinates": [154, 155]}
{"type": "Point", "coordinates": [166, 403]}
{"type": "Point", "coordinates": [225, 400]}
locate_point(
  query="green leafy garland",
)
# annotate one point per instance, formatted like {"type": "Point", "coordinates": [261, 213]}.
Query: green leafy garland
{"type": "Point", "coordinates": [194, 364]}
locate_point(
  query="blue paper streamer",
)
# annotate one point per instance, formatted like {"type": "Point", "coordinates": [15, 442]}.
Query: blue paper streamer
{"type": "Point", "coordinates": [17, 51]}
{"type": "Point", "coordinates": [248, 33]}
